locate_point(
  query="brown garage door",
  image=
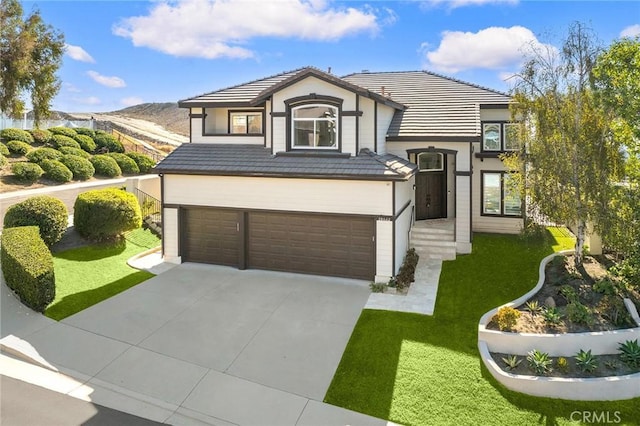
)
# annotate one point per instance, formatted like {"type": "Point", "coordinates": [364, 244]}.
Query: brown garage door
{"type": "Point", "coordinates": [340, 246]}
{"type": "Point", "coordinates": [210, 236]}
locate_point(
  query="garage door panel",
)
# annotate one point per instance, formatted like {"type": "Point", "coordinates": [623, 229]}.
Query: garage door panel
{"type": "Point", "coordinates": [210, 236]}
{"type": "Point", "coordinates": [323, 245]}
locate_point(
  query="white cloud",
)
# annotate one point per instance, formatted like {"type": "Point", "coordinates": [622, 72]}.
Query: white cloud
{"type": "Point", "coordinates": [131, 100]}
{"type": "Point", "coordinates": [90, 100]}
{"type": "Point", "coordinates": [113, 82]}
{"type": "Point", "coordinates": [631, 31]}
{"type": "Point", "coordinates": [453, 4]}
{"type": "Point", "coordinates": [221, 28]}
{"type": "Point", "coordinates": [70, 88]}
{"type": "Point", "coordinates": [492, 48]}
{"type": "Point", "coordinates": [78, 53]}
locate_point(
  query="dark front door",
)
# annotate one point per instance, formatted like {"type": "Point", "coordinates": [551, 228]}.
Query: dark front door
{"type": "Point", "coordinates": [431, 200]}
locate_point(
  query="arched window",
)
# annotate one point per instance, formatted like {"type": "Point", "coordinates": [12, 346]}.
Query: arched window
{"type": "Point", "coordinates": [314, 126]}
{"type": "Point", "coordinates": [430, 162]}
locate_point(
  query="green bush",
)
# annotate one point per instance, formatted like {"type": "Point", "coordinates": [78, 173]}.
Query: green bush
{"type": "Point", "coordinates": [49, 214]}
{"type": "Point", "coordinates": [108, 142]}
{"type": "Point", "coordinates": [85, 142]}
{"type": "Point", "coordinates": [7, 135]}
{"type": "Point", "coordinates": [38, 155]}
{"type": "Point", "coordinates": [144, 162]}
{"type": "Point", "coordinates": [27, 266]}
{"type": "Point", "coordinates": [126, 164]}
{"type": "Point", "coordinates": [4, 150]}
{"type": "Point", "coordinates": [85, 131]}
{"type": "Point", "coordinates": [41, 136]}
{"type": "Point", "coordinates": [62, 140]}
{"type": "Point", "coordinates": [27, 172]}
{"type": "Point", "coordinates": [81, 168]}
{"type": "Point", "coordinates": [105, 166]}
{"type": "Point", "coordinates": [74, 151]}
{"type": "Point", "coordinates": [56, 171]}
{"type": "Point", "coordinates": [65, 131]}
{"type": "Point", "coordinates": [18, 147]}
{"type": "Point", "coordinates": [104, 214]}
{"type": "Point", "coordinates": [3, 161]}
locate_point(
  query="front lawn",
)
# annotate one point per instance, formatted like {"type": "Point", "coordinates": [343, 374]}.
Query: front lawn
{"type": "Point", "coordinates": [421, 370]}
{"type": "Point", "coordinates": [88, 275]}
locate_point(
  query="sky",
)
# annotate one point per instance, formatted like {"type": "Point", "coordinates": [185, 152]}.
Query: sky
{"type": "Point", "coordinates": [123, 53]}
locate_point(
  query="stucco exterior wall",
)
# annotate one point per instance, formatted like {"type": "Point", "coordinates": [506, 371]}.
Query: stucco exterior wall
{"type": "Point", "coordinates": [171, 235]}
{"type": "Point", "coordinates": [384, 250]}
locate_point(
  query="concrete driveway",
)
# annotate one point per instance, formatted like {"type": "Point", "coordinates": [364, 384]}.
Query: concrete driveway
{"type": "Point", "coordinates": [211, 343]}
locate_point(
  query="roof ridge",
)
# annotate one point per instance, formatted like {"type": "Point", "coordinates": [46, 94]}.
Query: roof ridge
{"type": "Point", "coordinates": [435, 74]}
{"type": "Point", "coordinates": [248, 82]}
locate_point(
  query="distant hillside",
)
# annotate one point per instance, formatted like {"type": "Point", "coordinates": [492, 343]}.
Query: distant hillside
{"type": "Point", "coordinates": [167, 115]}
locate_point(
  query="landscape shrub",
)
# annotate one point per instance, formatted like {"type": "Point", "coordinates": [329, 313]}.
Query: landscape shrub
{"type": "Point", "coordinates": [104, 214]}
{"type": "Point", "coordinates": [144, 162]}
{"type": "Point", "coordinates": [85, 131]}
{"type": "Point", "coordinates": [127, 165]}
{"type": "Point", "coordinates": [3, 161]}
{"type": "Point", "coordinates": [406, 274]}
{"type": "Point", "coordinates": [81, 168]}
{"type": "Point", "coordinates": [85, 142]}
{"type": "Point", "coordinates": [27, 172]}
{"type": "Point", "coordinates": [4, 150]}
{"type": "Point", "coordinates": [62, 140]}
{"type": "Point", "coordinates": [41, 136]}
{"type": "Point", "coordinates": [105, 166]}
{"type": "Point", "coordinates": [48, 213]}
{"type": "Point", "coordinates": [56, 171]}
{"type": "Point", "coordinates": [65, 131]}
{"type": "Point", "coordinates": [105, 141]}
{"type": "Point", "coordinates": [507, 318]}
{"type": "Point", "coordinates": [38, 155]}
{"type": "Point", "coordinates": [74, 151]}
{"type": "Point", "coordinates": [11, 134]}
{"type": "Point", "coordinates": [27, 266]}
{"type": "Point", "coordinates": [18, 147]}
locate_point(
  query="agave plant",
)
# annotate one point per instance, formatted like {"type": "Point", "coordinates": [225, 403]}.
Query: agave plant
{"type": "Point", "coordinates": [630, 353]}
{"type": "Point", "coordinates": [511, 362]}
{"type": "Point", "coordinates": [586, 361]}
{"type": "Point", "coordinates": [539, 362]}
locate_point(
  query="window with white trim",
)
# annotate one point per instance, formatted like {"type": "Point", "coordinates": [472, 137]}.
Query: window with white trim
{"type": "Point", "coordinates": [500, 197]}
{"type": "Point", "coordinates": [430, 162]}
{"type": "Point", "coordinates": [245, 123]}
{"type": "Point", "coordinates": [499, 137]}
{"type": "Point", "coordinates": [314, 126]}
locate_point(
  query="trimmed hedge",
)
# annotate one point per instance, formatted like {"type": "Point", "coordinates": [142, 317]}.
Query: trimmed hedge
{"type": "Point", "coordinates": [66, 131]}
{"type": "Point", "coordinates": [74, 151]}
{"type": "Point", "coordinates": [108, 142]}
{"type": "Point", "coordinates": [126, 164]}
{"type": "Point", "coordinates": [56, 171]}
{"type": "Point", "coordinates": [105, 214]}
{"type": "Point", "coordinates": [81, 168]}
{"type": "Point", "coordinates": [38, 155]}
{"type": "Point", "coordinates": [18, 147]}
{"type": "Point", "coordinates": [49, 214]}
{"type": "Point", "coordinates": [105, 166]}
{"type": "Point", "coordinates": [144, 162]}
{"type": "Point", "coordinates": [3, 161]}
{"type": "Point", "coordinates": [7, 135]}
{"type": "Point", "coordinates": [59, 141]}
{"type": "Point", "coordinates": [41, 136]}
{"type": "Point", "coordinates": [85, 131]}
{"type": "Point", "coordinates": [4, 150]}
{"type": "Point", "coordinates": [27, 172]}
{"type": "Point", "coordinates": [27, 266]}
{"type": "Point", "coordinates": [85, 142]}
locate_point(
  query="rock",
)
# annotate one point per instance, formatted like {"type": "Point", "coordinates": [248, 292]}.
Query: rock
{"type": "Point", "coordinates": [549, 302]}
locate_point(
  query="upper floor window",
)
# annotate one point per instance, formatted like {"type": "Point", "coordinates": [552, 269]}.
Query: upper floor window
{"type": "Point", "coordinates": [315, 126]}
{"type": "Point", "coordinates": [500, 137]}
{"type": "Point", "coordinates": [245, 123]}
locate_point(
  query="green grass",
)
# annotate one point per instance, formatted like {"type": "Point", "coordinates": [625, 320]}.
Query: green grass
{"type": "Point", "coordinates": [421, 370]}
{"type": "Point", "coordinates": [88, 275]}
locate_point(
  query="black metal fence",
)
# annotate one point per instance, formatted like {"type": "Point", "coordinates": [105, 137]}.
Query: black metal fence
{"type": "Point", "coordinates": [151, 207]}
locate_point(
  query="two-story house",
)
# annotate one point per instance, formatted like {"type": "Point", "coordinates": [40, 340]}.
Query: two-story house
{"type": "Point", "coordinates": [308, 172]}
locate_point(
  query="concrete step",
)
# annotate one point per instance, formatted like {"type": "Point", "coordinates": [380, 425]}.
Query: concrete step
{"type": "Point", "coordinates": [437, 237]}
{"type": "Point", "coordinates": [416, 242]}
{"type": "Point", "coordinates": [427, 253]}
{"type": "Point", "coordinates": [432, 231]}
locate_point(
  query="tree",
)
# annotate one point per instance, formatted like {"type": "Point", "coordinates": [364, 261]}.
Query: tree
{"type": "Point", "coordinates": [30, 55]}
{"type": "Point", "coordinates": [572, 159]}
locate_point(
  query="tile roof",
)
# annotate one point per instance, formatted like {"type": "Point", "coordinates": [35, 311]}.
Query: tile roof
{"type": "Point", "coordinates": [255, 160]}
{"type": "Point", "coordinates": [436, 105]}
